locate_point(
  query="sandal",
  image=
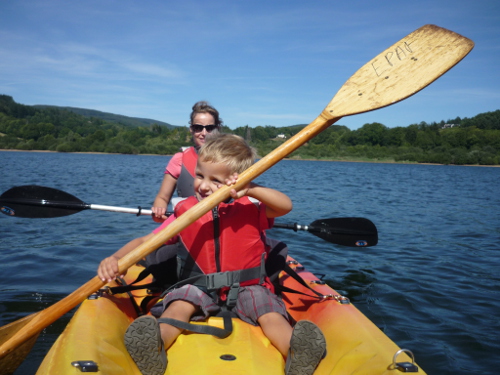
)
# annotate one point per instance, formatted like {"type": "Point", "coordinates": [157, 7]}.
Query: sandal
{"type": "Point", "coordinates": [145, 346]}
{"type": "Point", "coordinates": [307, 349]}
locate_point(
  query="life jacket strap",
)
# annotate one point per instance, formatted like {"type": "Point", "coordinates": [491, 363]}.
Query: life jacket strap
{"type": "Point", "coordinates": [230, 279]}
{"type": "Point", "coordinates": [218, 280]}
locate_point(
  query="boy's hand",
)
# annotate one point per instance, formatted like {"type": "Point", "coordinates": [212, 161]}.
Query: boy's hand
{"type": "Point", "coordinates": [277, 204]}
{"type": "Point", "coordinates": [108, 269]}
{"type": "Point", "coordinates": [237, 194]}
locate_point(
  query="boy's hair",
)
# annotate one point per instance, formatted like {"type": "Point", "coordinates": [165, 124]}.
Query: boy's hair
{"type": "Point", "coordinates": [229, 149]}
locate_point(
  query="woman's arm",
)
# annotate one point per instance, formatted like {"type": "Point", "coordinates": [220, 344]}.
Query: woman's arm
{"type": "Point", "coordinates": [164, 195]}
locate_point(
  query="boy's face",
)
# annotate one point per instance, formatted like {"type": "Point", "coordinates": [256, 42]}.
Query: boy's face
{"type": "Point", "coordinates": [209, 177]}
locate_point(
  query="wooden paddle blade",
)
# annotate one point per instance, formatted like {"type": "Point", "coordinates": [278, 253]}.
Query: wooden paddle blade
{"type": "Point", "coordinates": [35, 201]}
{"type": "Point", "coordinates": [14, 335]}
{"type": "Point", "coordinates": [397, 73]}
{"type": "Point", "coordinates": [11, 361]}
{"type": "Point", "coordinates": [352, 231]}
{"type": "Point", "coordinates": [400, 71]}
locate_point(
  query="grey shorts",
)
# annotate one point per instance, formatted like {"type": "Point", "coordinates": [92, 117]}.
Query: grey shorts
{"type": "Point", "coordinates": [253, 302]}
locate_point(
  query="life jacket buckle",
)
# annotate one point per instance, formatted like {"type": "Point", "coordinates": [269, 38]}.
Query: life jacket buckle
{"type": "Point", "coordinates": [232, 295]}
{"type": "Point", "coordinates": [219, 280]}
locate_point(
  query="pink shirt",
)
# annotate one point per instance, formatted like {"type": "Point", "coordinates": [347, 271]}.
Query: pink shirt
{"type": "Point", "coordinates": [163, 225]}
{"type": "Point", "coordinates": [174, 166]}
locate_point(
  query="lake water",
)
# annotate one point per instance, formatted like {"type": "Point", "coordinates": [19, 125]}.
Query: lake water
{"type": "Point", "coordinates": [432, 284]}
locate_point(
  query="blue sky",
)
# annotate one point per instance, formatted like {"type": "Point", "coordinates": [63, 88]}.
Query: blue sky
{"type": "Point", "coordinates": [258, 62]}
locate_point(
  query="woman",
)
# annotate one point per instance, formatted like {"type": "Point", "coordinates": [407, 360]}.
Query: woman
{"type": "Point", "coordinates": [204, 120]}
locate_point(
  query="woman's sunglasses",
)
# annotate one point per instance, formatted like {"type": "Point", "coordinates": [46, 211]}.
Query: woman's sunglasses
{"type": "Point", "coordinates": [199, 128]}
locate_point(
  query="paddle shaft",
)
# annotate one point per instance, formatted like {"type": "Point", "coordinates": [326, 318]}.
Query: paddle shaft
{"type": "Point", "coordinates": [137, 211]}
{"type": "Point", "coordinates": [375, 91]}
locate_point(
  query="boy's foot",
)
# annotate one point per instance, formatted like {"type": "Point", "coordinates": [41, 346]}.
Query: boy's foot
{"type": "Point", "coordinates": [145, 346]}
{"type": "Point", "coordinates": [307, 348]}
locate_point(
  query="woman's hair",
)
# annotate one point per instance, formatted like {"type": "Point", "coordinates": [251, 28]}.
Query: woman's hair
{"type": "Point", "coordinates": [229, 149]}
{"type": "Point", "coordinates": [205, 107]}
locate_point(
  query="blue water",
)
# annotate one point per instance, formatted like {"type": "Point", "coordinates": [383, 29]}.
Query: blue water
{"type": "Point", "coordinates": [432, 284]}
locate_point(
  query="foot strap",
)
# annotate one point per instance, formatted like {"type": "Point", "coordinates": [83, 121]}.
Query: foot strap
{"type": "Point", "coordinates": [203, 328]}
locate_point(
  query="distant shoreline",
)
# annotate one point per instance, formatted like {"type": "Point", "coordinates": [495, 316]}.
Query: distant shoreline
{"type": "Point", "coordinates": [297, 159]}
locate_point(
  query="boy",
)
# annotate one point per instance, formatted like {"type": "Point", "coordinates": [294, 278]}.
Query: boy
{"type": "Point", "coordinates": [228, 239]}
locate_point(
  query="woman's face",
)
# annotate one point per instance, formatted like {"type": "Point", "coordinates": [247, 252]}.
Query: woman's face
{"type": "Point", "coordinates": [201, 119]}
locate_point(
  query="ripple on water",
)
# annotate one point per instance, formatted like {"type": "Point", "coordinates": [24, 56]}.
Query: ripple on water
{"type": "Point", "coordinates": [432, 283]}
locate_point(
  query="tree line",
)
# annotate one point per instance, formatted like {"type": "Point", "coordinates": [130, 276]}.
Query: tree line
{"type": "Point", "coordinates": [455, 141]}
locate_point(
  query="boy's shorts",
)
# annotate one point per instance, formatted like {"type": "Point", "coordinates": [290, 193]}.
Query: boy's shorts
{"type": "Point", "coordinates": [253, 302]}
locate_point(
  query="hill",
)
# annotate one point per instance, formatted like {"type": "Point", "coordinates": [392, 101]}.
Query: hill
{"type": "Point", "coordinates": [110, 117]}
{"type": "Point", "coordinates": [458, 141]}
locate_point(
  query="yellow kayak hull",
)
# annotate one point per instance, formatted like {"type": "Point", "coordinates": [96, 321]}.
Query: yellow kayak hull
{"type": "Point", "coordinates": [354, 344]}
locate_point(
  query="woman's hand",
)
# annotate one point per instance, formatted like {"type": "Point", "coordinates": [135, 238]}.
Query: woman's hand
{"type": "Point", "coordinates": [159, 214]}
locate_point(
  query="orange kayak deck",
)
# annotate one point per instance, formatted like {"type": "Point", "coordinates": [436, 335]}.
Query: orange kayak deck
{"type": "Point", "coordinates": [354, 344]}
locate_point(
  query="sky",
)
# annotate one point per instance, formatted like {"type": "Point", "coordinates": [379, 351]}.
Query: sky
{"type": "Point", "coordinates": [258, 62]}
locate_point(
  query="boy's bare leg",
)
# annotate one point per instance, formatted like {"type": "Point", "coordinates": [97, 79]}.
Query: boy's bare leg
{"type": "Point", "coordinates": [178, 310]}
{"type": "Point", "coordinates": [278, 330]}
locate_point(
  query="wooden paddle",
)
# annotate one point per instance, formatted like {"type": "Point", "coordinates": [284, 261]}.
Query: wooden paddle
{"type": "Point", "coordinates": [397, 73]}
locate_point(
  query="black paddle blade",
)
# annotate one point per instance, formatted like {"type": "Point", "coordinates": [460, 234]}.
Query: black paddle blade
{"type": "Point", "coordinates": [347, 231]}
{"type": "Point", "coordinates": [39, 202]}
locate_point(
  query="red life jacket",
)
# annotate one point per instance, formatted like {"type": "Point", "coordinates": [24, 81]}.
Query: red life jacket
{"type": "Point", "coordinates": [186, 177]}
{"type": "Point", "coordinates": [229, 238]}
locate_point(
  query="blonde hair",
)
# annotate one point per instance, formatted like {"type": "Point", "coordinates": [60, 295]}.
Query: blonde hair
{"type": "Point", "coordinates": [229, 149]}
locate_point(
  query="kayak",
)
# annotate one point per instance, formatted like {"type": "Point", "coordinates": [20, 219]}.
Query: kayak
{"type": "Point", "coordinates": [93, 339]}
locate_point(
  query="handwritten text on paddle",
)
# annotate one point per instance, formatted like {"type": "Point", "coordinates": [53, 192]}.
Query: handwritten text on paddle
{"type": "Point", "coordinates": [392, 58]}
